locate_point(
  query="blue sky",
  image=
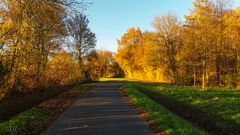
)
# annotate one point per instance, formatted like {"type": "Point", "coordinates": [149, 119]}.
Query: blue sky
{"type": "Point", "coordinates": [110, 19]}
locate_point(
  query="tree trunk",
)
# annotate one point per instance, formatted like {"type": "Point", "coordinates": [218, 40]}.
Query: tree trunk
{"type": "Point", "coordinates": [204, 74]}
{"type": "Point", "coordinates": [218, 70]}
{"type": "Point", "coordinates": [194, 76]}
{"type": "Point", "coordinates": [238, 70]}
{"type": "Point", "coordinates": [203, 80]}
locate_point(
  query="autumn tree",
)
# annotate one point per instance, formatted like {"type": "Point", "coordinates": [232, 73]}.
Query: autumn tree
{"type": "Point", "coordinates": [127, 48]}
{"type": "Point", "coordinates": [151, 60]}
{"type": "Point", "coordinates": [167, 29]}
{"type": "Point", "coordinates": [62, 69]}
{"type": "Point", "coordinates": [100, 63]}
{"type": "Point", "coordinates": [138, 55]}
{"type": "Point", "coordinates": [219, 9]}
{"type": "Point", "coordinates": [83, 40]}
{"type": "Point", "coordinates": [232, 33]}
{"type": "Point", "coordinates": [29, 31]}
{"type": "Point", "coordinates": [204, 33]}
{"type": "Point", "coordinates": [204, 50]}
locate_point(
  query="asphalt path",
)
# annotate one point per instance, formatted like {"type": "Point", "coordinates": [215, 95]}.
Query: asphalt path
{"type": "Point", "coordinates": [101, 111]}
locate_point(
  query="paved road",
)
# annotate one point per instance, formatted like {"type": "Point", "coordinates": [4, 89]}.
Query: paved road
{"type": "Point", "coordinates": [102, 111]}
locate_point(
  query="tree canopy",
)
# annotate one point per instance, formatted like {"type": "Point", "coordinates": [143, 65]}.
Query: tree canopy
{"type": "Point", "coordinates": [202, 50]}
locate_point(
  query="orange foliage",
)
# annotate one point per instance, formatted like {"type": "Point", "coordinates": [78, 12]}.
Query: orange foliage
{"type": "Point", "coordinates": [62, 69]}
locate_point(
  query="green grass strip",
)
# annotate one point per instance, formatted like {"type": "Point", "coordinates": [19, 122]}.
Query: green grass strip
{"type": "Point", "coordinates": [166, 120]}
{"type": "Point", "coordinates": [19, 124]}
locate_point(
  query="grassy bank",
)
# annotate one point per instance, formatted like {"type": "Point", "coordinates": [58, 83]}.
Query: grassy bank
{"type": "Point", "coordinates": [36, 120]}
{"type": "Point", "coordinates": [217, 107]}
{"type": "Point", "coordinates": [112, 79]}
{"type": "Point", "coordinates": [167, 121]}
{"type": "Point", "coordinates": [18, 102]}
{"type": "Point", "coordinates": [22, 123]}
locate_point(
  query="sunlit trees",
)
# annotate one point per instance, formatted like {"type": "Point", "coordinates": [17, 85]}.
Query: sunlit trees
{"type": "Point", "coordinates": [150, 58]}
{"type": "Point", "coordinates": [127, 49]}
{"type": "Point", "coordinates": [219, 9]}
{"type": "Point", "coordinates": [105, 59]}
{"type": "Point", "coordinates": [149, 55]}
{"type": "Point", "coordinates": [138, 55]}
{"type": "Point", "coordinates": [200, 24]}
{"type": "Point", "coordinates": [68, 67]}
{"type": "Point", "coordinates": [205, 28]}
{"type": "Point", "coordinates": [30, 30]}
{"type": "Point", "coordinates": [167, 29]}
{"type": "Point", "coordinates": [100, 63]}
{"type": "Point", "coordinates": [204, 50]}
{"type": "Point", "coordinates": [232, 33]}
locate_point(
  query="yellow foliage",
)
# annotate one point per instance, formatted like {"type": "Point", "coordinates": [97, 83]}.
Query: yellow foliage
{"type": "Point", "coordinates": [62, 69]}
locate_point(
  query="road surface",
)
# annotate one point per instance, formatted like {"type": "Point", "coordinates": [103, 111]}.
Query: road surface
{"type": "Point", "coordinates": [102, 111]}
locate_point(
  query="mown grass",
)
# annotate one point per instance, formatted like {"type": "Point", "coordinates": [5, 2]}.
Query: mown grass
{"type": "Point", "coordinates": [111, 79]}
{"type": "Point", "coordinates": [102, 80]}
{"type": "Point", "coordinates": [167, 121]}
{"type": "Point", "coordinates": [20, 123]}
{"type": "Point", "coordinates": [219, 102]}
{"type": "Point", "coordinates": [218, 107]}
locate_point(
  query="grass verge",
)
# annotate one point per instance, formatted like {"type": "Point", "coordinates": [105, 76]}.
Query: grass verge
{"type": "Point", "coordinates": [216, 111]}
{"type": "Point", "coordinates": [18, 102]}
{"type": "Point", "coordinates": [21, 123]}
{"type": "Point", "coordinates": [112, 80]}
{"type": "Point", "coordinates": [34, 121]}
{"type": "Point", "coordinates": [167, 121]}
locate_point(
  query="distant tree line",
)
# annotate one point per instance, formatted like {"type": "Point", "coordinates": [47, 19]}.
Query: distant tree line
{"type": "Point", "coordinates": [101, 63]}
{"type": "Point", "coordinates": [43, 43]}
{"type": "Point", "coordinates": [204, 50]}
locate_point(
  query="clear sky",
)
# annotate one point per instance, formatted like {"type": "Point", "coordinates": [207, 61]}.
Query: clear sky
{"type": "Point", "coordinates": [110, 19]}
